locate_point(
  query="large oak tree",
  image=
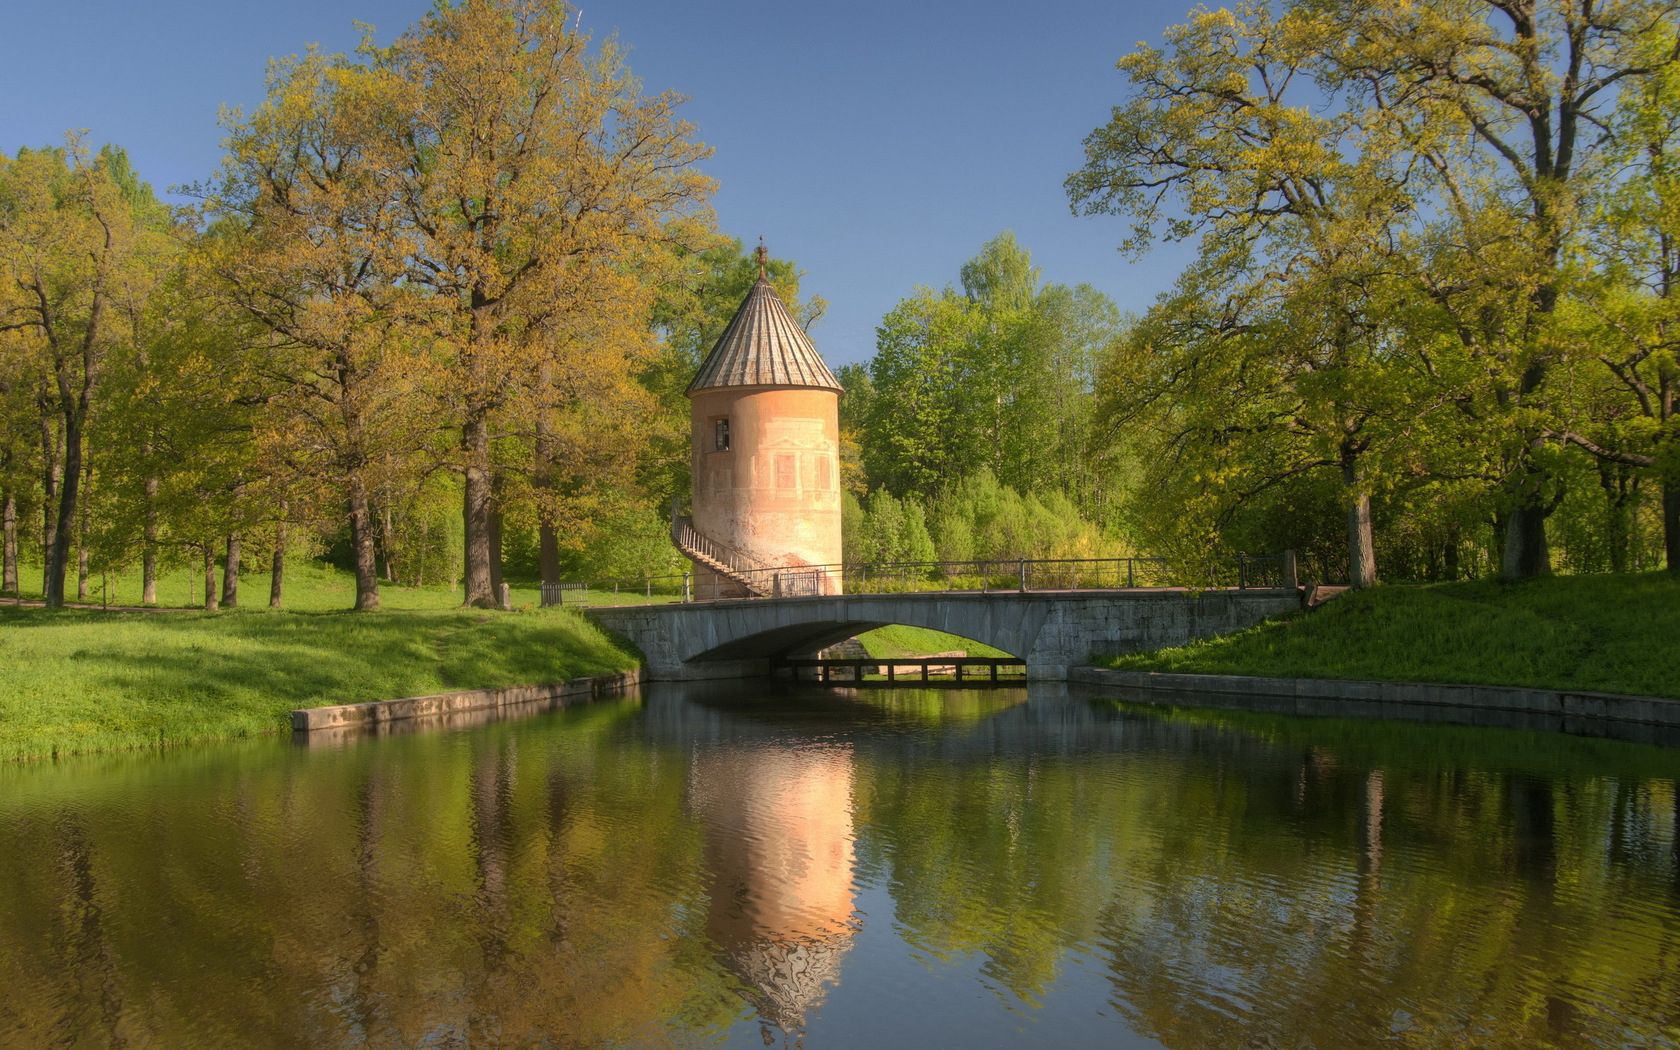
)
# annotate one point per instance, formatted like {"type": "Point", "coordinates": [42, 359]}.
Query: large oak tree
{"type": "Point", "coordinates": [532, 174]}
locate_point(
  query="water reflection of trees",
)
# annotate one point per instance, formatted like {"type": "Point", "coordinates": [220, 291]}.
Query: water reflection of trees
{"type": "Point", "coordinates": [1244, 892]}
{"type": "Point", "coordinates": [627, 876]}
{"type": "Point", "coordinates": [493, 887]}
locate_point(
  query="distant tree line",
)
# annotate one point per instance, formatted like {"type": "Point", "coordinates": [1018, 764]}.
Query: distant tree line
{"type": "Point", "coordinates": [968, 435]}
{"type": "Point", "coordinates": [974, 519]}
{"type": "Point", "coordinates": [435, 314]}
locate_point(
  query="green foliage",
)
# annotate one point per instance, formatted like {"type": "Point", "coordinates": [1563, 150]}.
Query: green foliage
{"type": "Point", "coordinates": [996, 376]}
{"type": "Point", "coordinates": [976, 518]}
{"type": "Point", "coordinates": [893, 531]}
{"type": "Point", "coordinates": [626, 544]}
{"type": "Point", "coordinates": [979, 518]}
{"type": "Point", "coordinates": [853, 522]}
{"type": "Point", "coordinates": [917, 544]}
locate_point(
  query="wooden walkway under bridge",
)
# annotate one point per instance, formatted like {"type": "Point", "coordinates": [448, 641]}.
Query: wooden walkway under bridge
{"type": "Point", "coordinates": [933, 670]}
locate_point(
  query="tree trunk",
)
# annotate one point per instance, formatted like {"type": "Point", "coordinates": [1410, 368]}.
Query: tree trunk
{"type": "Point", "coordinates": [69, 492]}
{"type": "Point", "coordinates": [496, 581]}
{"type": "Point", "coordinates": [8, 544]}
{"type": "Point", "coordinates": [277, 575]}
{"type": "Point", "coordinates": [210, 594]}
{"type": "Point", "coordinates": [475, 442]}
{"type": "Point", "coordinates": [548, 539]}
{"type": "Point", "coordinates": [1362, 554]}
{"type": "Point", "coordinates": [548, 555]}
{"type": "Point", "coordinates": [387, 543]}
{"type": "Point", "coordinates": [1619, 491]}
{"type": "Point", "coordinates": [51, 472]}
{"type": "Point", "coordinates": [361, 541]}
{"type": "Point", "coordinates": [1451, 554]}
{"type": "Point", "coordinates": [81, 532]}
{"type": "Point", "coordinates": [230, 573]}
{"type": "Point", "coordinates": [1671, 524]}
{"type": "Point", "coordinates": [149, 546]}
{"type": "Point", "coordinates": [1526, 555]}
{"type": "Point", "coordinates": [422, 551]}
{"type": "Point", "coordinates": [1500, 525]}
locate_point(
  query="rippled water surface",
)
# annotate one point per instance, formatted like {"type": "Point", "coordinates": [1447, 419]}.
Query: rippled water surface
{"type": "Point", "coordinates": [738, 866]}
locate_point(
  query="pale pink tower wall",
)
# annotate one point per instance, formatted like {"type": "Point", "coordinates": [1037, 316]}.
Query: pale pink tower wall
{"type": "Point", "coordinates": [771, 493]}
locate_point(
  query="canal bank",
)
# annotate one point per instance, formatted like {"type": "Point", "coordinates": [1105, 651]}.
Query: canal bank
{"type": "Point", "coordinates": [1647, 719]}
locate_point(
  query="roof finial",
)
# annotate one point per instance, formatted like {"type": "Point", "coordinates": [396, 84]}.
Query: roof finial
{"type": "Point", "coordinates": [762, 256]}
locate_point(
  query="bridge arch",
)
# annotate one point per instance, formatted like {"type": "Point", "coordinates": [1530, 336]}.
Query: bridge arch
{"type": "Point", "coordinates": [802, 638]}
{"type": "Point", "coordinates": [1051, 631]}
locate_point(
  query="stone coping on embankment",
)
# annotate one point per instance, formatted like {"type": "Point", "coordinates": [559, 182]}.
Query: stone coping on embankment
{"type": "Point", "coordinates": [377, 713]}
{"type": "Point", "coordinates": [1312, 696]}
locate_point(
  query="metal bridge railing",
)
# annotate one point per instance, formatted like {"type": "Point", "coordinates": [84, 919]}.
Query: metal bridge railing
{"type": "Point", "coordinates": [1245, 571]}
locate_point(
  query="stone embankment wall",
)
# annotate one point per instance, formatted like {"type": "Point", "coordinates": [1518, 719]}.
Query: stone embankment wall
{"type": "Point", "coordinates": [1508, 706]}
{"type": "Point", "coordinates": [379, 715]}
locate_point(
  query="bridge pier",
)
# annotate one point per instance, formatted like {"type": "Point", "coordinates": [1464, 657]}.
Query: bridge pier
{"type": "Point", "coordinates": [1053, 631]}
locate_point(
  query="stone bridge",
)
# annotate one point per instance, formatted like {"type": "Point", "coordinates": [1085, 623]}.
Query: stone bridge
{"type": "Point", "coordinates": [1051, 630]}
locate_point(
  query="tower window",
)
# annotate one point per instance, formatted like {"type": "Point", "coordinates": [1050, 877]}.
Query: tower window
{"type": "Point", "coordinates": [787, 472]}
{"type": "Point", "coordinates": [720, 434]}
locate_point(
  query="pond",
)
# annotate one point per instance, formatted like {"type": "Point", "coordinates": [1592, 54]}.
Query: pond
{"type": "Point", "coordinates": [745, 865]}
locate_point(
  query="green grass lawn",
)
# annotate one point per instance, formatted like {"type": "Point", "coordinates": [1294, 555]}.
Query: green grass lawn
{"type": "Point", "coordinates": [80, 680]}
{"type": "Point", "coordinates": [899, 640]}
{"type": "Point", "coordinates": [1616, 634]}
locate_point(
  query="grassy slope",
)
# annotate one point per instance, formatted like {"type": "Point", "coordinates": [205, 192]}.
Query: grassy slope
{"type": "Point", "coordinates": [78, 681]}
{"type": "Point", "coordinates": [899, 640]}
{"type": "Point", "coordinates": [1604, 633]}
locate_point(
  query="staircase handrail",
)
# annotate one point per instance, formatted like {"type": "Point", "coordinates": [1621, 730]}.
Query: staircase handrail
{"type": "Point", "coordinates": [690, 538]}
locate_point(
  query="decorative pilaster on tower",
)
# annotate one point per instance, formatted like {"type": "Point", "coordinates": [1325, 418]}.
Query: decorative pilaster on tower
{"type": "Point", "coordinates": [766, 458]}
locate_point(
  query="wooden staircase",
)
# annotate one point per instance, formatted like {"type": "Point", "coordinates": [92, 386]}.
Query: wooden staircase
{"type": "Point", "coordinates": [755, 578]}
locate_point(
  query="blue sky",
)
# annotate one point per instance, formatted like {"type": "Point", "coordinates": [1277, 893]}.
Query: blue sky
{"type": "Point", "coordinates": [878, 144]}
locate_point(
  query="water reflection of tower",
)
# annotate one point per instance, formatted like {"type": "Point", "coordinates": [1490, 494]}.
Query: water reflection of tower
{"type": "Point", "coordinates": [778, 831]}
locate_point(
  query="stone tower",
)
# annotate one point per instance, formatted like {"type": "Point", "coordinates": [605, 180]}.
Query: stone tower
{"type": "Point", "coordinates": [766, 457]}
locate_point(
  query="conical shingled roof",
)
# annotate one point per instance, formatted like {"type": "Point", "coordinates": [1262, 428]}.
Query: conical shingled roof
{"type": "Point", "coordinates": [763, 346]}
